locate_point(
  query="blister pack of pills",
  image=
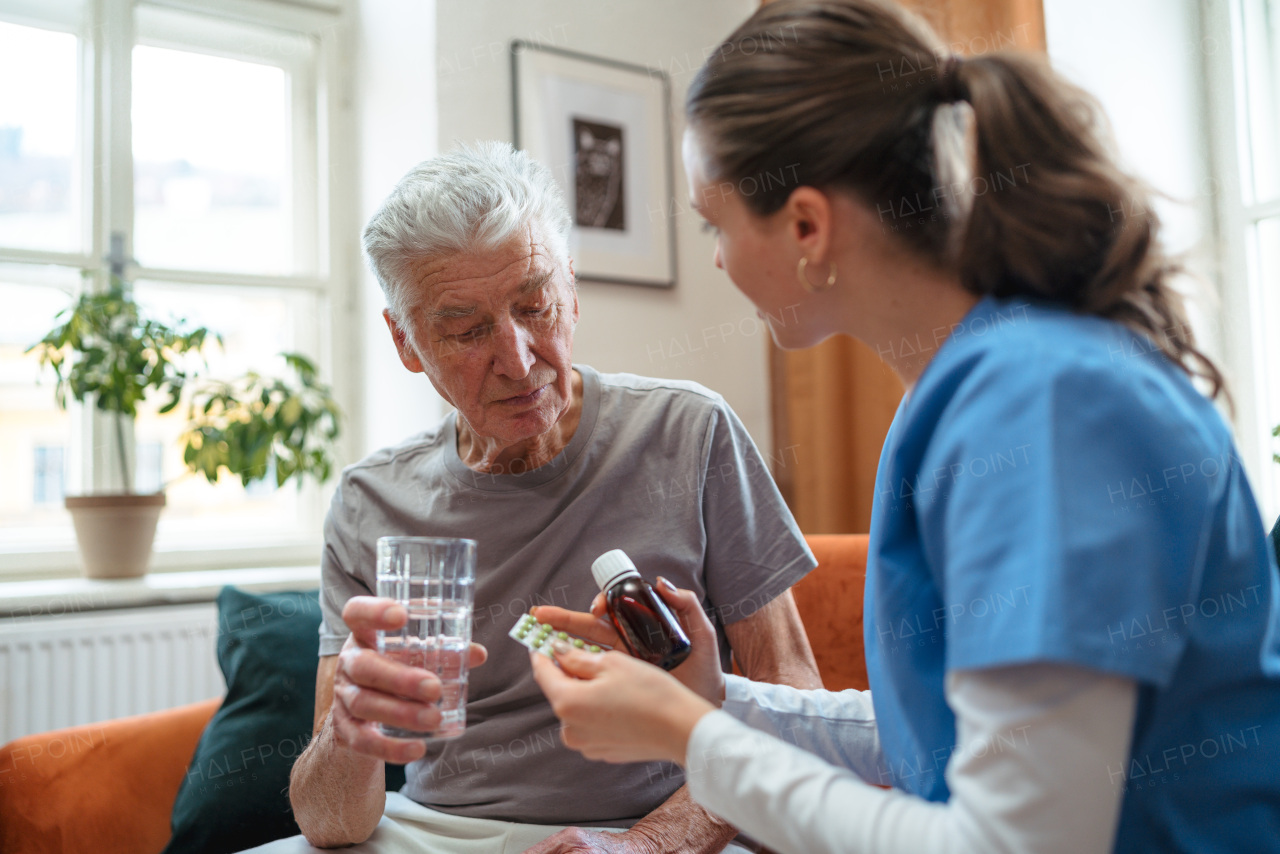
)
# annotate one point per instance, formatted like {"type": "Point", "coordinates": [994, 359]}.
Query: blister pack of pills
{"type": "Point", "coordinates": [540, 636]}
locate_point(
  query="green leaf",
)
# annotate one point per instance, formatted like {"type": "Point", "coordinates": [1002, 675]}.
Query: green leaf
{"type": "Point", "coordinates": [291, 412]}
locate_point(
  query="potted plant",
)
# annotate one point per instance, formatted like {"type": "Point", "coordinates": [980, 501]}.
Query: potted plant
{"type": "Point", "coordinates": [254, 425]}
{"type": "Point", "coordinates": [105, 352]}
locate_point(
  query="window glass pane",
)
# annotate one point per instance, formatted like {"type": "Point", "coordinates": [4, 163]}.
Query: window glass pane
{"type": "Point", "coordinates": [50, 474]}
{"type": "Point", "coordinates": [40, 188]}
{"type": "Point", "coordinates": [35, 436]}
{"type": "Point", "coordinates": [211, 163]}
{"type": "Point", "coordinates": [257, 324]}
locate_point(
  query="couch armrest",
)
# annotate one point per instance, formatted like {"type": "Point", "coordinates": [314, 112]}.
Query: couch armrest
{"type": "Point", "coordinates": [107, 787]}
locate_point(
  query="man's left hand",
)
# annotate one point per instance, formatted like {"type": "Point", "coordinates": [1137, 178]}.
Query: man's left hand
{"type": "Point", "coordinates": [576, 840]}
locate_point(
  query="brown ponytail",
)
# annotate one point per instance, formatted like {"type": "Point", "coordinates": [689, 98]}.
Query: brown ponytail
{"type": "Point", "coordinates": [1015, 192]}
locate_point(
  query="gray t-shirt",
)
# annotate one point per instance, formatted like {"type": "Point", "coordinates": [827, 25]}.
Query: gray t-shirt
{"type": "Point", "coordinates": [660, 468]}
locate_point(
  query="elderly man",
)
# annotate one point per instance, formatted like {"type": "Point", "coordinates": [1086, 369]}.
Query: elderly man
{"type": "Point", "coordinates": [547, 465]}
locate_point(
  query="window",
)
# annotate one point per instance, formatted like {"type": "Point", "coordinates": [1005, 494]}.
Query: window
{"type": "Point", "coordinates": [29, 419]}
{"type": "Point", "coordinates": [1259, 29]}
{"type": "Point", "coordinates": [49, 474]}
{"type": "Point", "coordinates": [1240, 46]}
{"type": "Point", "coordinates": [148, 475]}
{"type": "Point", "coordinates": [40, 182]}
{"type": "Point", "coordinates": [180, 141]}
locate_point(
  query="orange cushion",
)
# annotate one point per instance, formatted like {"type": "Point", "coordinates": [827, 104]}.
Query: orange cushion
{"type": "Point", "coordinates": [830, 604]}
{"type": "Point", "coordinates": [106, 788]}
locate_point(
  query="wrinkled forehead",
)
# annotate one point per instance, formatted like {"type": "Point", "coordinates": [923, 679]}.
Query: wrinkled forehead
{"type": "Point", "coordinates": [460, 284]}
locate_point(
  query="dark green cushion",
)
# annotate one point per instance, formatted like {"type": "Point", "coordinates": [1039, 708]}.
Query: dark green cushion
{"type": "Point", "coordinates": [236, 792]}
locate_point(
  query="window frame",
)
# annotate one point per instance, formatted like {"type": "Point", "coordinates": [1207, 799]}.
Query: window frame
{"type": "Point", "coordinates": [326, 257]}
{"type": "Point", "coordinates": [1249, 358]}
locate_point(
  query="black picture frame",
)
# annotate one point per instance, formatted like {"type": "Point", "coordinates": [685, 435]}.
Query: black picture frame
{"type": "Point", "coordinates": [603, 128]}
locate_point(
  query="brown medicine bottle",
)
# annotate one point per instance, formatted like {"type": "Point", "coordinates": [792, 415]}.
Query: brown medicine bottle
{"type": "Point", "coordinates": [646, 625]}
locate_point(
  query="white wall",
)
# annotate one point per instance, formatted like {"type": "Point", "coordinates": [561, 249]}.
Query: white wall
{"type": "Point", "coordinates": [1150, 63]}
{"type": "Point", "coordinates": [434, 72]}
{"type": "Point", "coordinates": [623, 328]}
{"type": "Point", "coordinates": [1152, 89]}
{"type": "Point", "coordinates": [396, 95]}
{"type": "Point", "coordinates": [1141, 59]}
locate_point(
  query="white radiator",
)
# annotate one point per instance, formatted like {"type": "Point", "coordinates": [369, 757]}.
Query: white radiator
{"type": "Point", "coordinates": [69, 670]}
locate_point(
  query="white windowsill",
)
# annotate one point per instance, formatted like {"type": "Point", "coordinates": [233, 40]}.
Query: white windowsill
{"type": "Point", "coordinates": [53, 597]}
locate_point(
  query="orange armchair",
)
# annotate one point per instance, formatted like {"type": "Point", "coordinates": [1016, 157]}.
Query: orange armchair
{"type": "Point", "coordinates": [109, 787]}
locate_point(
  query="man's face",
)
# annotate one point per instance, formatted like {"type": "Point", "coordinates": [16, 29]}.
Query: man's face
{"type": "Point", "coordinates": [493, 331]}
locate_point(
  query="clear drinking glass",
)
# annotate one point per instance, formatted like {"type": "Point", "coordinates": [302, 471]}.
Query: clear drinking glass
{"type": "Point", "coordinates": [434, 578]}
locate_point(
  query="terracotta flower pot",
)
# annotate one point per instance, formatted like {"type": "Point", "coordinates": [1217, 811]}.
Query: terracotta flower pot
{"type": "Point", "coordinates": [115, 532]}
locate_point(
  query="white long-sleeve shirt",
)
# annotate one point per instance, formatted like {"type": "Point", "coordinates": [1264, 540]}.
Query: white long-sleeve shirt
{"type": "Point", "coordinates": [1029, 772]}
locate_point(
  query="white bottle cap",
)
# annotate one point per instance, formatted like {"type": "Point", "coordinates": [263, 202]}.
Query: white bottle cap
{"type": "Point", "coordinates": [611, 566]}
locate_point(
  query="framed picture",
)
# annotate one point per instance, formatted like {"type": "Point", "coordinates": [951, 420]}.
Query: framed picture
{"type": "Point", "coordinates": [603, 129]}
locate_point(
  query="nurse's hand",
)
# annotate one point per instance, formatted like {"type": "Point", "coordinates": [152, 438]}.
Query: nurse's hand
{"type": "Point", "coordinates": [700, 672]}
{"type": "Point", "coordinates": [616, 708]}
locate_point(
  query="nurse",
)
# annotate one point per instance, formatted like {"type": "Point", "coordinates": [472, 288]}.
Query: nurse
{"type": "Point", "coordinates": [1072, 627]}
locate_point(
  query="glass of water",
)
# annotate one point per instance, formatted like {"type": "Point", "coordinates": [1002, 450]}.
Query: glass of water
{"type": "Point", "coordinates": [434, 579]}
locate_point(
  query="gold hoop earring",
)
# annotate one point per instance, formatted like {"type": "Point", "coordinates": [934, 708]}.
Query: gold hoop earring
{"type": "Point", "coordinates": [809, 286]}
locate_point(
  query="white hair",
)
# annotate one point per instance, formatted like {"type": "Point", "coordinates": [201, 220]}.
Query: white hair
{"type": "Point", "coordinates": [474, 198]}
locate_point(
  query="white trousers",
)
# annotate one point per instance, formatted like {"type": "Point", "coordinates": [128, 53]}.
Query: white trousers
{"type": "Point", "coordinates": [407, 827]}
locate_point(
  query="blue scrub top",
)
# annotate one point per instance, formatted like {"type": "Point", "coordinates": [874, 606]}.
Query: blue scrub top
{"type": "Point", "coordinates": [1055, 489]}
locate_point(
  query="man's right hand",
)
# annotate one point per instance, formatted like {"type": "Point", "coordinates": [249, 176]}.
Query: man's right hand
{"type": "Point", "coordinates": [370, 688]}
